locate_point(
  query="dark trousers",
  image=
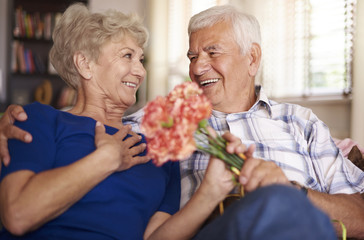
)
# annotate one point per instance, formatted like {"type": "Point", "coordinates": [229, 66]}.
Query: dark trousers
{"type": "Point", "coordinates": [274, 212]}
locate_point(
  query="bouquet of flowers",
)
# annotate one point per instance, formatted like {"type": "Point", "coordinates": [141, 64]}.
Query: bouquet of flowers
{"type": "Point", "coordinates": [172, 123]}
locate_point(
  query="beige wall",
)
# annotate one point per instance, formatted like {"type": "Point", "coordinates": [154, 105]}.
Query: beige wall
{"type": "Point", "coordinates": [357, 111]}
{"type": "Point", "coordinates": [120, 5]}
{"type": "Point", "coordinates": [157, 55]}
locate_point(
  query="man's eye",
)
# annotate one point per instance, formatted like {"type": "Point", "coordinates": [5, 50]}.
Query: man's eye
{"type": "Point", "coordinates": [192, 58]}
{"type": "Point", "coordinates": [212, 53]}
{"type": "Point", "coordinates": [141, 60]}
{"type": "Point", "coordinates": [128, 55]}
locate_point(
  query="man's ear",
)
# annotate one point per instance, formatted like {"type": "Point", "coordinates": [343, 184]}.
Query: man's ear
{"type": "Point", "coordinates": [255, 57]}
{"type": "Point", "coordinates": [83, 65]}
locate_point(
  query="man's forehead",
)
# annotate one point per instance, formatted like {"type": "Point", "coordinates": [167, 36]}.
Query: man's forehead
{"type": "Point", "coordinates": [206, 47]}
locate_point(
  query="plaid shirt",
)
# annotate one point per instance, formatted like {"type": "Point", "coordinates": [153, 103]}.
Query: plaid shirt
{"type": "Point", "coordinates": [289, 135]}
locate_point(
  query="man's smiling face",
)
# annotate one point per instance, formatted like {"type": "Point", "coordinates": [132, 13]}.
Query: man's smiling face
{"type": "Point", "coordinates": [217, 65]}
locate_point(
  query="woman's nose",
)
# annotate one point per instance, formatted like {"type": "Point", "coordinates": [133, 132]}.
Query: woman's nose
{"type": "Point", "coordinates": [139, 70]}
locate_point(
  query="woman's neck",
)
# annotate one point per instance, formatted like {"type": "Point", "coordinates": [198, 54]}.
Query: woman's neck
{"type": "Point", "coordinates": [98, 109]}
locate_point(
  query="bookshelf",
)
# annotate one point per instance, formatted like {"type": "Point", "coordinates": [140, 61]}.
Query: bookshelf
{"type": "Point", "coordinates": [30, 77]}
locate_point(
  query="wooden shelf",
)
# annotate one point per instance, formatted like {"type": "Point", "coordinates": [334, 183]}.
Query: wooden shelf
{"type": "Point", "coordinates": [28, 48]}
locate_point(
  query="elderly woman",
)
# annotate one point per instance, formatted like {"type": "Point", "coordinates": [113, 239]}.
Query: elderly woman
{"type": "Point", "coordinates": [74, 180]}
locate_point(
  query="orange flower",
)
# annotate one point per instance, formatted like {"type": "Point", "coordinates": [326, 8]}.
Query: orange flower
{"type": "Point", "coordinates": [169, 123]}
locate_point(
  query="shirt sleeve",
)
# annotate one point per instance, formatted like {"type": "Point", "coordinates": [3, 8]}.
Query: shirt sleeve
{"type": "Point", "coordinates": [336, 173]}
{"type": "Point", "coordinates": [33, 156]}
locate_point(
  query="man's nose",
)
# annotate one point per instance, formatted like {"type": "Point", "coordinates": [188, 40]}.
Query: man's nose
{"type": "Point", "coordinates": [200, 66]}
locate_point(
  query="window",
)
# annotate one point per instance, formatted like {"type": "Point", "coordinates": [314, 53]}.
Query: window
{"type": "Point", "coordinates": [307, 47]}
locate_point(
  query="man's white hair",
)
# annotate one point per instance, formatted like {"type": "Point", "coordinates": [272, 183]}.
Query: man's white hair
{"type": "Point", "coordinates": [245, 27]}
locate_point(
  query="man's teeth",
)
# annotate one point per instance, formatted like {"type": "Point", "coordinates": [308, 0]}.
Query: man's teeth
{"type": "Point", "coordinates": [209, 81]}
{"type": "Point", "coordinates": [129, 84]}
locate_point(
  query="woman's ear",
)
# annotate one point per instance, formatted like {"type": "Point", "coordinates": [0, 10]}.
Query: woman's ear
{"type": "Point", "coordinates": [255, 57]}
{"type": "Point", "coordinates": [83, 65]}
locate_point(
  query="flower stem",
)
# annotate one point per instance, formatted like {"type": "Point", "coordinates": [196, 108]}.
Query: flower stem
{"type": "Point", "coordinates": [217, 147]}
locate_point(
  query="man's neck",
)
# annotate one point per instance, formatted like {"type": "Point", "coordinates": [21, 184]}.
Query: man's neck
{"type": "Point", "coordinates": [239, 106]}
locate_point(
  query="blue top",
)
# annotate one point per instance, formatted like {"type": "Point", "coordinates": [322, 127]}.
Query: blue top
{"type": "Point", "coordinates": [118, 207]}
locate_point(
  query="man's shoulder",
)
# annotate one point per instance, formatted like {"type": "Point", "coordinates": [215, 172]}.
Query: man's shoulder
{"type": "Point", "coordinates": [134, 119]}
{"type": "Point", "coordinates": [292, 109]}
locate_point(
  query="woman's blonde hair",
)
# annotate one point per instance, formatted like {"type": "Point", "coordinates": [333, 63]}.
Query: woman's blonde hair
{"type": "Point", "coordinates": [78, 30]}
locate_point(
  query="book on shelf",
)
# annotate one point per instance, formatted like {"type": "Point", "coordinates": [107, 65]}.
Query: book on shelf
{"type": "Point", "coordinates": [48, 26]}
{"type": "Point", "coordinates": [39, 25]}
{"type": "Point", "coordinates": [24, 60]}
{"type": "Point", "coordinates": [34, 24]}
{"type": "Point", "coordinates": [39, 64]}
{"type": "Point", "coordinates": [20, 58]}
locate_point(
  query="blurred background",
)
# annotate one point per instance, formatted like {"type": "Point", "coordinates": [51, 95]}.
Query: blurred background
{"type": "Point", "coordinates": [313, 52]}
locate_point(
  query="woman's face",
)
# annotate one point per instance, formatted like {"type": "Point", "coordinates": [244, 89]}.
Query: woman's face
{"type": "Point", "coordinates": [119, 71]}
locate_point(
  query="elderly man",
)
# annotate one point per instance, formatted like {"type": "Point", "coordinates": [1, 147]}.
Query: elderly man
{"type": "Point", "coordinates": [224, 58]}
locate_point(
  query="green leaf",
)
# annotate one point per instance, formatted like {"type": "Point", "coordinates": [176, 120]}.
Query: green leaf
{"type": "Point", "coordinates": [168, 124]}
{"type": "Point", "coordinates": [203, 124]}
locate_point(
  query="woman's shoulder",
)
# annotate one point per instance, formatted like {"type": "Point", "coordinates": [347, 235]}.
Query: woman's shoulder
{"type": "Point", "coordinates": [39, 113]}
{"type": "Point", "coordinates": [40, 110]}
{"type": "Point", "coordinates": [41, 119]}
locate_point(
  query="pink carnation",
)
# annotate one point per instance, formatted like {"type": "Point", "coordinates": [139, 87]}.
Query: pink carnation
{"type": "Point", "coordinates": [170, 122]}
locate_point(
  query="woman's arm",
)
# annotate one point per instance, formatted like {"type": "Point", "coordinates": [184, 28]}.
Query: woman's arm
{"type": "Point", "coordinates": [186, 222]}
{"type": "Point", "coordinates": [217, 183]}
{"type": "Point", "coordinates": [28, 200]}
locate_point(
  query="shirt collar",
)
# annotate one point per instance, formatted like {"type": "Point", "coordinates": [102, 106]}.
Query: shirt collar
{"type": "Point", "coordinates": [262, 102]}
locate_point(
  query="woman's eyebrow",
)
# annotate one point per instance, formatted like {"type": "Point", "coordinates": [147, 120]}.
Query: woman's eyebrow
{"type": "Point", "coordinates": [127, 48]}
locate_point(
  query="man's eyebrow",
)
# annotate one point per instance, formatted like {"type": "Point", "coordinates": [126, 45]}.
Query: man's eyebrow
{"type": "Point", "coordinates": [190, 53]}
{"type": "Point", "coordinates": [208, 48]}
{"type": "Point", "coordinates": [212, 47]}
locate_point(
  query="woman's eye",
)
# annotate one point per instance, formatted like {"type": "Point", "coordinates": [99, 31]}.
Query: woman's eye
{"type": "Point", "coordinates": [128, 55]}
{"type": "Point", "coordinates": [141, 60]}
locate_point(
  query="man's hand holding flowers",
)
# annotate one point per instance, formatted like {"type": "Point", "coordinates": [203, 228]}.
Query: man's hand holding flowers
{"type": "Point", "coordinates": [259, 173]}
{"type": "Point", "coordinates": [218, 179]}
